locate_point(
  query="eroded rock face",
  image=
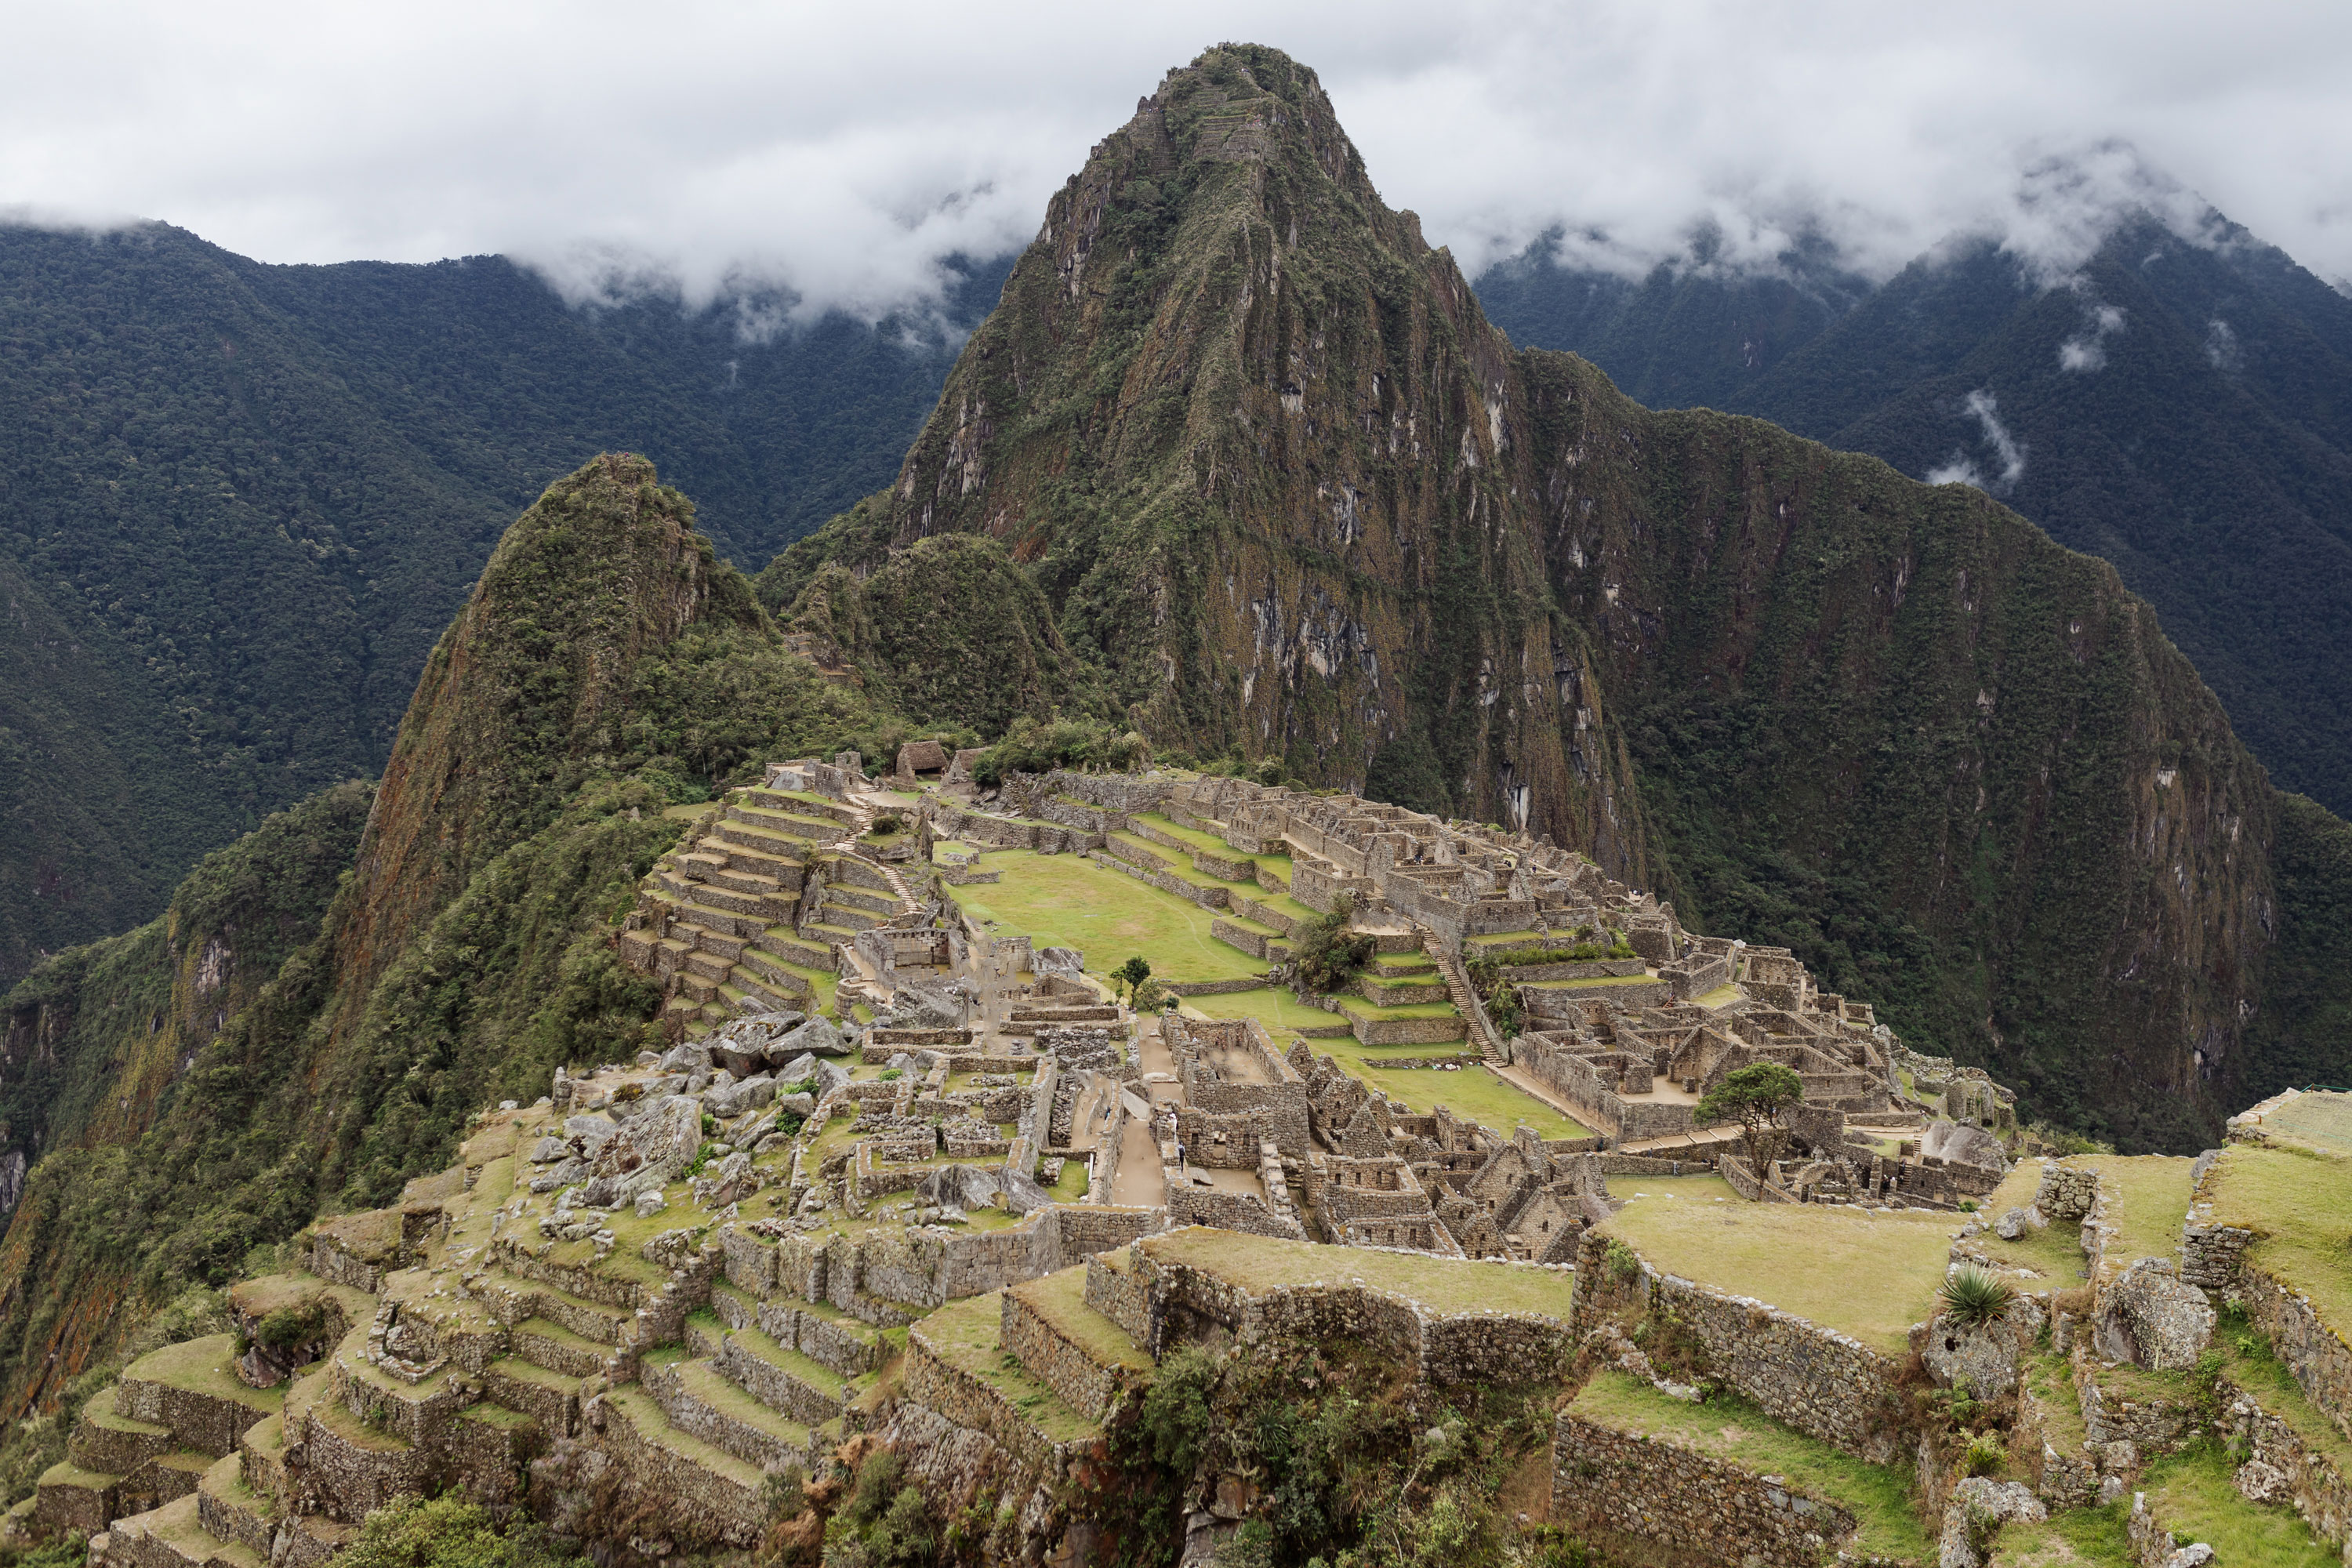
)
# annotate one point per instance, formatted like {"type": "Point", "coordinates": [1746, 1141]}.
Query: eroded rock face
{"type": "Point", "coordinates": [2153, 1317]}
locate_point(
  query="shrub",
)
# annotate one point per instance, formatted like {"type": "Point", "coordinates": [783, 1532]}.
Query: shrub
{"type": "Point", "coordinates": [1976, 1298]}
{"type": "Point", "coordinates": [1983, 1455]}
{"type": "Point", "coordinates": [1328, 954]}
{"type": "Point", "coordinates": [290, 1326]}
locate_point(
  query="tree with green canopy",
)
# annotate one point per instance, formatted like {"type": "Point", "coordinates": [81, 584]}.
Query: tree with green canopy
{"type": "Point", "coordinates": [1754, 1096]}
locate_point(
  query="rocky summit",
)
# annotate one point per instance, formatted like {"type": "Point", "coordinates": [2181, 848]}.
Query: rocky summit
{"type": "Point", "coordinates": [1315, 940]}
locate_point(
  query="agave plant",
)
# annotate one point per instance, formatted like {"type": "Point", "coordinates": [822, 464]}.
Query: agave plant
{"type": "Point", "coordinates": [1975, 1298]}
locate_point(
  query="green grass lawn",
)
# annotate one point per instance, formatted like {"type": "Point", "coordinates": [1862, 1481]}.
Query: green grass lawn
{"type": "Point", "coordinates": [1359, 1007]}
{"type": "Point", "coordinates": [1278, 863]}
{"type": "Point", "coordinates": [1727, 1427]}
{"type": "Point", "coordinates": [1067, 901]}
{"type": "Point", "coordinates": [2322, 1119]}
{"type": "Point", "coordinates": [2297, 1203]}
{"type": "Point", "coordinates": [2192, 1495]}
{"type": "Point", "coordinates": [2077, 1537]}
{"type": "Point", "coordinates": [2053, 1252]}
{"type": "Point", "coordinates": [1697, 1189]}
{"type": "Point", "coordinates": [1868, 1275]}
{"type": "Point", "coordinates": [1275, 1008]}
{"type": "Point", "coordinates": [2151, 1200]}
{"type": "Point", "coordinates": [1474, 1092]}
{"type": "Point", "coordinates": [1442, 1285]}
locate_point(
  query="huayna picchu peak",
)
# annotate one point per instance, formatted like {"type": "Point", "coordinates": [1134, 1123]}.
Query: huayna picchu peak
{"type": "Point", "coordinates": [1314, 940]}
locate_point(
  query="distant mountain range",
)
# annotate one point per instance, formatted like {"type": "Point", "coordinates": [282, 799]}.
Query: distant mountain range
{"type": "Point", "coordinates": [2180, 408]}
{"type": "Point", "coordinates": [238, 503]}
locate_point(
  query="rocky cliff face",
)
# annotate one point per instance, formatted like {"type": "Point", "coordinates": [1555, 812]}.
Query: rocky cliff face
{"type": "Point", "coordinates": [1284, 484]}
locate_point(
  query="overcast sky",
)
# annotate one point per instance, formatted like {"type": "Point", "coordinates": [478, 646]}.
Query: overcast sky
{"type": "Point", "coordinates": [839, 148]}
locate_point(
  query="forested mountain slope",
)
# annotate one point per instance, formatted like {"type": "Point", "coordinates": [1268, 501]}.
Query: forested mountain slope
{"type": "Point", "coordinates": [2181, 408]}
{"type": "Point", "coordinates": [238, 503]}
{"type": "Point", "coordinates": [1290, 493]}
{"type": "Point", "coordinates": [327, 1000]}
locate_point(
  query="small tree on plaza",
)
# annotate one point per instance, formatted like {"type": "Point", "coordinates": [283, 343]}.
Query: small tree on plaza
{"type": "Point", "coordinates": [1754, 1096]}
{"type": "Point", "coordinates": [1132, 974]}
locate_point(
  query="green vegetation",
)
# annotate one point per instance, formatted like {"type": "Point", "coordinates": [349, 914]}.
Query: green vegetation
{"type": "Point", "coordinates": [1976, 1298]}
{"type": "Point", "coordinates": [1753, 1095]}
{"type": "Point", "coordinates": [1327, 955]}
{"type": "Point", "coordinates": [1727, 1427]}
{"type": "Point", "coordinates": [2296, 1203]}
{"type": "Point", "coordinates": [1067, 901]}
{"type": "Point", "coordinates": [1871, 1276]}
{"type": "Point", "coordinates": [2192, 1495]}
{"type": "Point", "coordinates": [245, 499]}
{"type": "Point", "coordinates": [1475, 1092]}
{"type": "Point", "coordinates": [1353, 1467]}
{"type": "Point", "coordinates": [1132, 974]}
{"type": "Point", "coordinates": [612, 665]}
{"type": "Point", "coordinates": [447, 1532]}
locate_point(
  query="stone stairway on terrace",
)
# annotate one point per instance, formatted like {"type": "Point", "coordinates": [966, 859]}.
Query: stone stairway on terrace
{"type": "Point", "coordinates": [747, 916]}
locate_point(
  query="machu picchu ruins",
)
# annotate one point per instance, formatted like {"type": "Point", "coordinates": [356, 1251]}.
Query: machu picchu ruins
{"type": "Point", "coordinates": [917, 1175]}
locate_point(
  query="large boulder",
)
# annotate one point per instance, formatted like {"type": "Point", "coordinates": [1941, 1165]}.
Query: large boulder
{"type": "Point", "coordinates": [1068, 961]}
{"type": "Point", "coordinates": [653, 1147]}
{"type": "Point", "coordinates": [1982, 1360]}
{"type": "Point", "coordinates": [2153, 1317]}
{"type": "Point", "coordinates": [817, 1037]}
{"type": "Point", "coordinates": [1958, 1143]}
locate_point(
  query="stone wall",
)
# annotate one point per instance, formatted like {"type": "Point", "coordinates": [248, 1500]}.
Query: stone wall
{"type": "Point", "coordinates": [1060, 1362]}
{"type": "Point", "coordinates": [1244, 1212]}
{"type": "Point", "coordinates": [1657, 1503]}
{"type": "Point", "coordinates": [1821, 1381]}
{"type": "Point", "coordinates": [938, 1383]}
{"type": "Point", "coordinates": [2307, 1478]}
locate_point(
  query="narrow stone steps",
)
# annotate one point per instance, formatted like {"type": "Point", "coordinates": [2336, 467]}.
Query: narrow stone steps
{"type": "Point", "coordinates": [761, 840]}
{"type": "Point", "coordinates": [786, 943]}
{"type": "Point", "coordinates": [703, 1404]}
{"type": "Point", "coordinates": [261, 1454]}
{"type": "Point", "coordinates": [163, 1478]}
{"type": "Point", "coordinates": [786, 825]}
{"type": "Point", "coordinates": [816, 806]}
{"type": "Point", "coordinates": [826, 1335]}
{"type": "Point", "coordinates": [779, 978]}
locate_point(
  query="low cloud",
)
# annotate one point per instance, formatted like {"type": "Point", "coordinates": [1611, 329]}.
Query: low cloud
{"type": "Point", "coordinates": [2086, 352]}
{"type": "Point", "coordinates": [818, 158]}
{"type": "Point", "coordinates": [2009, 456]}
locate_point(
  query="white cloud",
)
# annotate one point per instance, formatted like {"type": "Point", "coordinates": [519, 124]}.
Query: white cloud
{"type": "Point", "coordinates": [2086, 351]}
{"type": "Point", "coordinates": [834, 153]}
{"type": "Point", "coordinates": [1961, 469]}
